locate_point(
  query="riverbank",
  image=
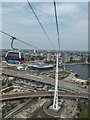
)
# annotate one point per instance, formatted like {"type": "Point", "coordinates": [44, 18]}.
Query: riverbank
{"type": "Point", "coordinates": [77, 63]}
{"type": "Point", "coordinates": [79, 80]}
{"type": "Point", "coordinates": [82, 69]}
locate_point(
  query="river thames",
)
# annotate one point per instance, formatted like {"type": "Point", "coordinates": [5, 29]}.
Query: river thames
{"type": "Point", "coordinates": [82, 69]}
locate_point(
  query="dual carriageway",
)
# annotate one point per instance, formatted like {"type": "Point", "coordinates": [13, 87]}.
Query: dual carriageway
{"type": "Point", "coordinates": [80, 93]}
{"type": "Point", "coordinates": [43, 79]}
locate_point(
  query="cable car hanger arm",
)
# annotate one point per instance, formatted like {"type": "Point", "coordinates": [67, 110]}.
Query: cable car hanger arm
{"type": "Point", "coordinates": [19, 40]}
{"type": "Point", "coordinates": [13, 38]}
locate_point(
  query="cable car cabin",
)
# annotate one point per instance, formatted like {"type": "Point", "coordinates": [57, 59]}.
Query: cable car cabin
{"type": "Point", "coordinates": [14, 57]}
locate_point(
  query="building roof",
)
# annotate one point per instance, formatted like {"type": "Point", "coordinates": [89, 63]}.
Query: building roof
{"type": "Point", "coordinates": [39, 65]}
{"type": "Point", "coordinates": [8, 89]}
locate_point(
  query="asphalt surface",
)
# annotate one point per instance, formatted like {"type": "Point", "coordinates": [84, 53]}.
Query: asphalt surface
{"type": "Point", "coordinates": [65, 84]}
{"type": "Point", "coordinates": [16, 108]}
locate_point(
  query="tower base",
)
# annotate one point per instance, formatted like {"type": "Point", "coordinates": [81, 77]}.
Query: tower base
{"type": "Point", "coordinates": [51, 108]}
{"type": "Point", "coordinates": [48, 109]}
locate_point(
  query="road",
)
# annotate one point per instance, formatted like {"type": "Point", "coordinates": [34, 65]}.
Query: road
{"type": "Point", "coordinates": [45, 79]}
{"type": "Point", "coordinates": [16, 109]}
{"type": "Point", "coordinates": [42, 94]}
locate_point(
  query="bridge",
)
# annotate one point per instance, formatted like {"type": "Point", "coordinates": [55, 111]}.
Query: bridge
{"type": "Point", "coordinates": [42, 94]}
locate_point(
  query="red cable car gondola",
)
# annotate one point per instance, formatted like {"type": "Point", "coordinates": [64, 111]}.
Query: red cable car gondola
{"type": "Point", "coordinates": [14, 56]}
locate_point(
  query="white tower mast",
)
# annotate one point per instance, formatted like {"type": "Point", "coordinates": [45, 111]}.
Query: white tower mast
{"type": "Point", "coordinates": [55, 102]}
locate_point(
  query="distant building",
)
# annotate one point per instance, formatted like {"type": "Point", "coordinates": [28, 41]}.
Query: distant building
{"type": "Point", "coordinates": [83, 57]}
{"type": "Point", "coordinates": [39, 66]}
{"type": "Point", "coordinates": [89, 57]}
{"type": "Point", "coordinates": [48, 56]}
{"type": "Point", "coordinates": [66, 58]}
{"type": "Point", "coordinates": [75, 58]}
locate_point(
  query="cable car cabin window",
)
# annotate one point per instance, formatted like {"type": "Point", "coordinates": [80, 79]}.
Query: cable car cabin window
{"type": "Point", "coordinates": [13, 56]}
{"type": "Point", "coordinates": [22, 56]}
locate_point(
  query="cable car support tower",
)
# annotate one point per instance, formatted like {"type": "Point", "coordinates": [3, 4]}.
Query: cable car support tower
{"type": "Point", "coordinates": [55, 101]}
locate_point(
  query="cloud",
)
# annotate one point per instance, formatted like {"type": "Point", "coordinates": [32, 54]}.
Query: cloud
{"type": "Point", "coordinates": [62, 8]}
{"type": "Point", "coordinates": [18, 20]}
{"type": "Point", "coordinates": [0, 25]}
{"type": "Point", "coordinates": [45, 0]}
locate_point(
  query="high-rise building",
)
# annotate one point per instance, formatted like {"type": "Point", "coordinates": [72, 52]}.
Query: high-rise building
{"type": "Point", "coordinates": [48, 56]}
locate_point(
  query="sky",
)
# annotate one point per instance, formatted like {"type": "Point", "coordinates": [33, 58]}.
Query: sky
{"type": "Point", "coordinates": [18, 20]}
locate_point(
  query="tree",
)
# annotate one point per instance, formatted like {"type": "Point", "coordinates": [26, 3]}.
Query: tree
{"type": "Point", "coordinates": [87, 83]}
{"type": "Point", "coordinates": [3, 83]}
{"type": "Point", "coordinates": [82, 83]}
{"type": "Point", "coordinates": [8, 103]}
{"type": "Point", "coordinates": [32, 58]}
{"type": "Point", "coordinates": [9, 84]}
{"type": "Point", "coordinates": [21, 101]}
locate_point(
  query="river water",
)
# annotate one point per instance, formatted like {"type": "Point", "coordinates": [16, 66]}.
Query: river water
{"type": "Point", "coordinates": [82, 69]}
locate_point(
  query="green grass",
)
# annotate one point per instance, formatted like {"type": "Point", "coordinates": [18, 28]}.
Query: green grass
{"type": "Point", "coordinates": [12, 68]}
{"type": "Point", "coordinates": [84, 109]}
{"type": "Point", "coordinates": [61, 74]}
